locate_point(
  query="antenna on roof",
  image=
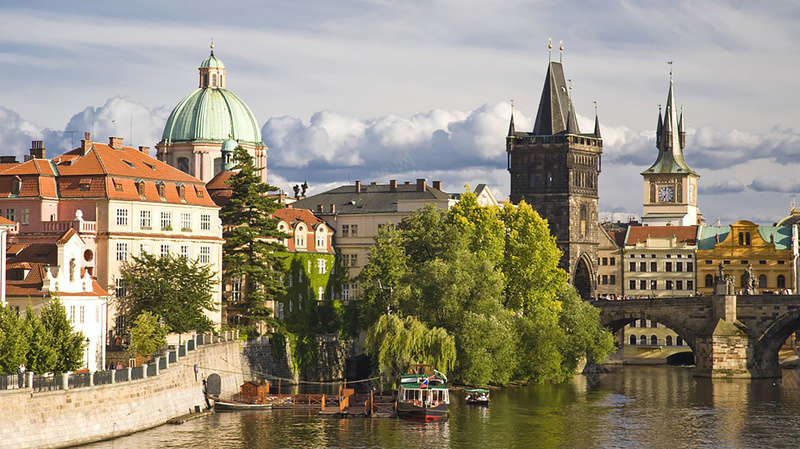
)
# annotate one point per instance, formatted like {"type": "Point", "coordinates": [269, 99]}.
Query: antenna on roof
{"type": "Point", "coordinates": [670, 70]}
{"type": "Point", "coordinates": [71, 138]}
{"type": "Point", "coordinates": [115, 127]}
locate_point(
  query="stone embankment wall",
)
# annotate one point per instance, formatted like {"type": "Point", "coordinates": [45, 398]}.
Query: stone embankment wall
{"type": "Point", "coordinates": [262, 359]}
{"type": "Point", "coordinates": [77, 416]}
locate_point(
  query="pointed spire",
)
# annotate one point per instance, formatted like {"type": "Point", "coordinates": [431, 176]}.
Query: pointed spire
{"type": "Point", "coordinates": [572, 122]}
{"type": "Point", "coordinates": [554, 112]}
{"type": "Point", "coordinates": [681, 131]}
{"type": "Point", "coordinates": [511, 129]}
{"type": "Point", "coordinates": [596, 122]}
{"type": "Point", "coordinates": [659, 128]}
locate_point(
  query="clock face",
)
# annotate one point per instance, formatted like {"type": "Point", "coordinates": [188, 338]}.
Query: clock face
{"type": "Point", "coordinates": [666, 194]}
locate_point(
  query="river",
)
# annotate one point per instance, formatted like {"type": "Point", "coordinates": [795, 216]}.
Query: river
{"type": "Point", "coordinates": [630, 407]}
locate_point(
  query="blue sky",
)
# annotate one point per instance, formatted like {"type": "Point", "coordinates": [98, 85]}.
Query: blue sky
{"type": "Point", "coordinates": [379, 90]}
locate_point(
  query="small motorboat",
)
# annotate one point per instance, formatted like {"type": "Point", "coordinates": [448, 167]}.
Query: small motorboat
{"type": "Point", "coordinates": [477, 396]}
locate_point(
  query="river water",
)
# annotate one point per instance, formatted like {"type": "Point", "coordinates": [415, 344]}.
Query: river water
{"type": "Point", "coordinates": [630, 407]}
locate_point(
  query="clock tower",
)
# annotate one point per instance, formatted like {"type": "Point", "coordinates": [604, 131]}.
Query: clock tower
{"type": "Point", "coordinates": [670, 186]}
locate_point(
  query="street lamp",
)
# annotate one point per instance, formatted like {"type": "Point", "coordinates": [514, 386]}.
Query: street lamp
{"type": "Point", "coordinates": [87, 352]}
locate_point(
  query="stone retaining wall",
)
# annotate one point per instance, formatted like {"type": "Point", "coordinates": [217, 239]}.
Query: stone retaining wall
{"type": "Point", "coordinates": [70, 417]}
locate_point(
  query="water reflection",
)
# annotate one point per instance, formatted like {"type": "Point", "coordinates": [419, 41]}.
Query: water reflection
{"type": "Point", "coordinates": [631, 407]}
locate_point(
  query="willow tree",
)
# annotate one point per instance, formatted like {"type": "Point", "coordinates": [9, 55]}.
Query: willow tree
{"type": "Point", "coordinates": [251, 238]}
{"type": "Point", "coordinates": [394, 343]}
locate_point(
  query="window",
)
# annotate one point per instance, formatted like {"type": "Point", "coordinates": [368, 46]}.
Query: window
{"type": "Point", "coordinates": [669, 256]}
{"type": "Point", "coordinates": [185, 253]}
{"type": "Point", "coordinates": [165, 250]}
{"type": "Point", "coordinates": [166, 221]}
{"type": "Point", "coordinates": [350, 260]}
{"type": "Point", "coordinates": [280, 311]}
{"type": "Point", "coordinates": [605, 261]}
{"type": "Point", "coordinates": [632, 285]}
{"type": "Point", "coordinates": [205, 222]}
{"type": "Point", "coordinates": [689, 285]}
{"type": "Point", "coordinates": [633, 340]}
{"type": "Point", "coordinates": [679, 266]}
{"type": "Point", "coordinates": [762, 281]}
{"type": "Point", "coordinates": [320, 244]}
{"type": "Point", "coordinates": [181, 190]}
{"type": "Point", "coordinates": [668, 285]}
{"type": "Point", "coordinates": [604, 279]}
{"type": "Point", "coordinates": [144, 248]}
{"type": "Point", "coordinates": [642, 266]}
{"type": "Point", "coordinates": [300, 238]}
{"type": "Point", "coordinates": [11, 214]}
{"type": "Point", "coordinates": [781, 281]}
{"type": "Point", "coordinates": [122, 217]}
{"type": "Point", "coordinates": [584, 220]}
{"type": "Point", "coordinates": [186, 221]}
{"type": "Point", "coordinates": [690, 267]}
{"type": "Point", "coordinates": [678, 285]}
{"type": "Point", "coordinates": [642, 284]}
{"type": "Point", "coordinates": [668, 267]}
{"type": "Point", "coordinates": [612, 279]}
{"type": "Point", "coordinates": [82, 315]}
{"type": "Point", "coordinates": [654, 324]}
{"type": "Point", "coordinates": [140, 188]}
{"type": "Point", "coordinates": [345, 230]}
{"type": "Point", "coordinates": [144, 219]}
{"type": "Point", "coordinates": [653, 340]}
{"type": "Point", "coordinates": [643, 340]}
{"type": "Point", "coordinates": [25, 216]}
{"type": "Point", "coordinates": [321, 266]}
{"type": "Point", "coordinates": [612, 261]}
{"type": "Point", "coordinates": [654, 285]}
{"type": "Point", "coordinates": [162, 189]}
{"type": "Point", "coordinates": [678, 341]}
{"type": "Point", "coordinates": [16, 185]}
{"type": "Point", "coordinates": [121, 289]}
{"type": "Point", "coordinates": [654, 266]}
{"type": "Point", "coordinates": [345, 292]}
{"type": "Point", "coordinates": [205, 254]}
{"type": "Point", "coordinates": [632, 266]}
{"type": "Point", "coordinates": [668, 340]}
{"type": "Point", "coordinates": [320, 293]}
{"type": "Point", "coordinates": [353, 230]}
{"type": "Point", "coordinates": [72, 314]}
{"type": "Point", "coordinates": [122, 251]}
{"type": "Point", "coordinates": [236, 289]}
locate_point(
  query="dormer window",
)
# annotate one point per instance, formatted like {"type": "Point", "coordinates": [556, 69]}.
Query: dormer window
{"type": "Point", "coordinates": [162, 189]}
{"type": "Point", "coordinates": [85, 184]}
{"type": "Point", "coordinates": [140, 187]}
{"type": "Point", "coordinates": [182, 191]}
{"type": "Point", "coordinates": [198, 191]}
{"type": "Point", "coordinates": [16, 185]}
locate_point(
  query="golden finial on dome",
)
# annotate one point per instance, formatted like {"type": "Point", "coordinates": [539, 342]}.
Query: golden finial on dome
{"type": "Point", "coordinates": [212, 46]}
{"type": "Point", "coordinates": [560, 50]}
{"type": "Point", "coordinates": [549, 48]}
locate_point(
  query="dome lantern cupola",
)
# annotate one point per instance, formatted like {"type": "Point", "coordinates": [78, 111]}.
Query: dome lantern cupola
{"type": "Point", "coordinates": [212, 72]}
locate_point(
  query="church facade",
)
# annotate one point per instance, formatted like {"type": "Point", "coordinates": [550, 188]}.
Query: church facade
{"type": "Point", "coordinates": [555, 168]}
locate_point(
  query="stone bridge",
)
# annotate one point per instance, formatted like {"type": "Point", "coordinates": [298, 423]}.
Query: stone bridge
{"type": "Point", "coordinates": [731, 336]}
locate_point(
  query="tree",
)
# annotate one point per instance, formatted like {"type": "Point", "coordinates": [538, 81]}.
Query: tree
{"type": "Point", "coordinates": [147, 335]}
{"type": "Point", "coordinates": [394, 343]}
{"type": "Point", "coordinates": [174, 289]}
{"type": "Point", "coordinates": [13, 341]}
{"type": "Point", "coordinates": [383, 281]}
{"type": "Point", "coordinates": [251, 238]}
{"type": "Point", "coordinates": [68, 345]}
{"type": "Point", "coordinates": [41, 356]}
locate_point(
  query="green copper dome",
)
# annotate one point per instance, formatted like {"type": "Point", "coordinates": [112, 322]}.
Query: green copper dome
{"type": "Point", "coordinates": [212, 115]}
{"type": "Point", "coordinates": [212, 62]}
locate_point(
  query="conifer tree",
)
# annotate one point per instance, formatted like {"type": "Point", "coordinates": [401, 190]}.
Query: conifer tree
{"type": "Point", "coordinates": [13, 341]}
{"type": "Point", "coordinates": [41, 356]}
{"type": "Point", "coordinates": [251, 238]}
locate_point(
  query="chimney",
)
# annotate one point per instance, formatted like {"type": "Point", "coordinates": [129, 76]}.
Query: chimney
{"type": "Point", "coordinates": [8, 159]}
{"type": "Point", "coordinates": [420, 184]}
{"type": "Point", "coordinates": [145, 150]}
{"type": "Point", "coordinates": [393, 185]}
{"type": "Point", "coordinates": [437, 185]}
{"type": "Point", "coordinates": [333, 208]}
{"type": "Point", "coordinates": [408, 183]}
{"type": "Point", "coordinates": [358, 186]}
{"type": "Point", "coordinates": [115, 142]}
{"type": "Point", "coordinates": [86, 143]}
{"type": "Point", "coordinates": [37, 149]}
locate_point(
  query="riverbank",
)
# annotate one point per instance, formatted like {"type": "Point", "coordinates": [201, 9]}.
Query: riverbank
{"type": "Point", "coordinates": [70, 417]}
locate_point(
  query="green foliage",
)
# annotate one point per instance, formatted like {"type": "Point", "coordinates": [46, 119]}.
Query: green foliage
{"type": "Point", "coordinates": [68, 345]}
{"type": "Point", "coordinates": [147, 335]}
{"type": "Point", "coordinates": [394, 343]}
{"type": "Point", "coordinates": [174, 289]}
{"type": "Point", "coordinates": [251, 238]}
{"type": "Point", "coordinates": [41, 356]}
{"type": "Point", "coordinates": [488, 278]}
{"type": "Point", "coordinates": [13, 341]}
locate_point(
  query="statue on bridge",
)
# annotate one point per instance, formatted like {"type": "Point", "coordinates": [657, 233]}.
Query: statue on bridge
{"type": "Point", "coordinates": [749, 281]}
{"type": "Point", "coordinates": [723, 283]}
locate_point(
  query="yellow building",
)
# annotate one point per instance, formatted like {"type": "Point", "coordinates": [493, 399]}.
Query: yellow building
{"type": "Point", "coordinates": [767, 250]}
{"type": "Point", "coordinates": [609, 261]}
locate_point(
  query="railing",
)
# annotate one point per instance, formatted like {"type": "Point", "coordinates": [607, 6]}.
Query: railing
{"type": "Point", "coordinates": [50, 382]}
{"type": "Point", "coordinates": [63, 226]}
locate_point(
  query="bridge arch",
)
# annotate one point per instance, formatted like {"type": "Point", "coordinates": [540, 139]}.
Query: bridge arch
{"type": "Point", "coordinates": [768, 345]}
{"type": "Point", "coordinates": [617, 320]}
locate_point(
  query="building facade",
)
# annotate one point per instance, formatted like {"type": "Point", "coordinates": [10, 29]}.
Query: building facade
{"type": "Point", "coordinates": [120, 201]}
{"type": "Point", "coordinates": [660, 261]}
{"type": "Point", "coordinates": [204, 120]}
{"type": "Point", "coordinates": [555, 169]}
{"type": "Point", "coordinates": [747, 251]}
{"type": "Point", "coordinates": [610, 277]}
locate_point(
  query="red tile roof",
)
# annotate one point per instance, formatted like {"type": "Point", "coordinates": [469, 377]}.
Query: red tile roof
{"type": "Point", "coordinates": [687, 234]}
{"type": "Point", "coordinates": [291, 216]}
{"type": "Point", "coordinates": [35, 257]}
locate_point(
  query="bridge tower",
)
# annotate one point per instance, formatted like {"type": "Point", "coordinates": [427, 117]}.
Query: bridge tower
{"type": "Point", "coordinates": [555, 168]}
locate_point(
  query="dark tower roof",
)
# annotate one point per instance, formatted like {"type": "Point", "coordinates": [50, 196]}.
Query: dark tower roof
{"type": "Point", "coordinates": [555, 114]}
{"type": "Point", "coordinates": [670, 140]}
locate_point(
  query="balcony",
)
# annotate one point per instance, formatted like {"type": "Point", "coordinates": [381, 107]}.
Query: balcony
{"type": "Point", "coordinates": [83, 227]}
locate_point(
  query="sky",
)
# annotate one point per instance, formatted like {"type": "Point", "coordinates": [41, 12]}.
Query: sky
{"type": "Point", "coordinates": [375, 90]}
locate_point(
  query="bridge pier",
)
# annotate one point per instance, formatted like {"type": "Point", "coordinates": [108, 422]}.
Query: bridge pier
{"type": "Point", "coordinates": [723, 349]}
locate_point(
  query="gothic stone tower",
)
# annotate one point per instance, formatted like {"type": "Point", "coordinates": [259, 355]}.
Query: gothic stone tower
{"type": "Point", "coordinates": [670, 186]}
{"type": "Point", "coordinates": [555, 169]}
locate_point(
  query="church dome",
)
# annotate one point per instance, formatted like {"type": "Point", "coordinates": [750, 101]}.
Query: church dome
{"type": "Point", "coordinates": [212, 113]}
